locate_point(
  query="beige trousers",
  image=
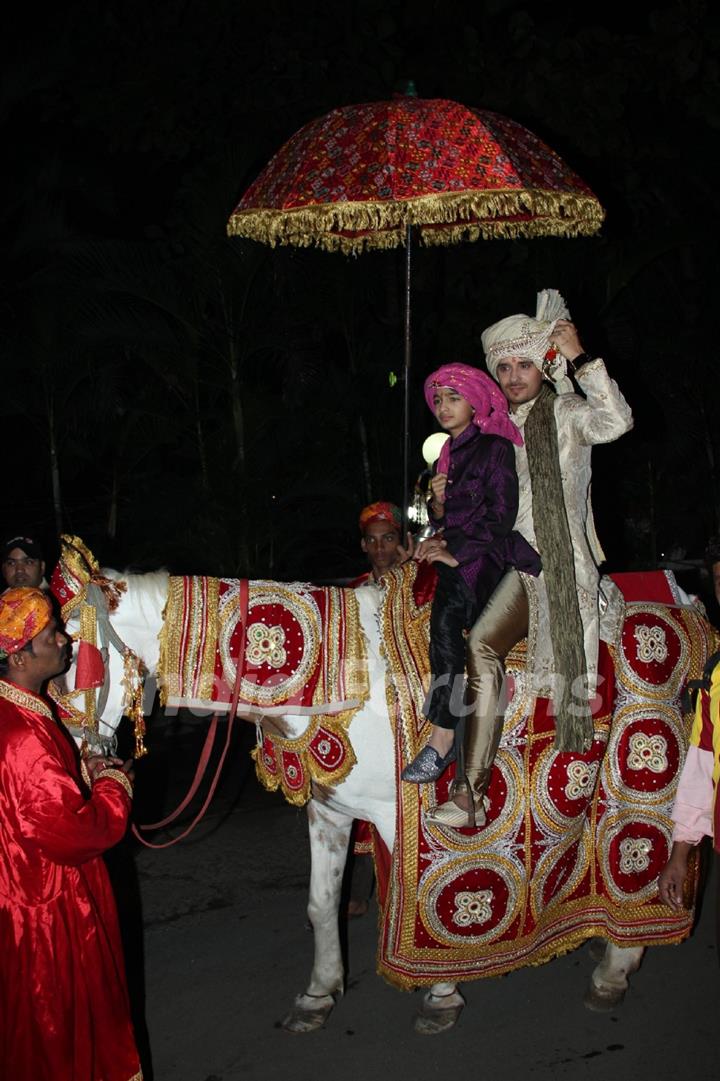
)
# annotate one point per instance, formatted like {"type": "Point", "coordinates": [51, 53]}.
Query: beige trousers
{"type": "Point", "coordinates": [503, 623]}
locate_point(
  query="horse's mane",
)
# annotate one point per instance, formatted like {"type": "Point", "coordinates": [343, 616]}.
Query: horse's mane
{"type": "Point", "coordinates": [148, 591]}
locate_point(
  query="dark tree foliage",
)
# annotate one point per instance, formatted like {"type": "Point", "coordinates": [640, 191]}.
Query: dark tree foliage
{"type": "Point", "coordinates": [179, 398]}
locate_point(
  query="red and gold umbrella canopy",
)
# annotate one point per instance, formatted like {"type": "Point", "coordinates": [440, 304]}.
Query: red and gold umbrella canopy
{"type": "Point", "coordinates": [357, 177]}
{"type": "Point", "coordinates": [370, 176]}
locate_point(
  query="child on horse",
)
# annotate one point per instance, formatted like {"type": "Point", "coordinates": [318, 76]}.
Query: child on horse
{"type": "Point", "coordinates": [474, 505]}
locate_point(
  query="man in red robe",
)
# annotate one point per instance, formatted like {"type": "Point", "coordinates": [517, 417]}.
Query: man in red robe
{"type": "Point", "coordinates": [64, 1011]}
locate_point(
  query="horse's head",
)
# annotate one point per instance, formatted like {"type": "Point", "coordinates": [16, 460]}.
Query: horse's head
{"type": "Point", "coordinates": [114, 620]}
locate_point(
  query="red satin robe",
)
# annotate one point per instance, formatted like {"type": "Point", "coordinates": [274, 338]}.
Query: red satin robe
{"type": "Point", "coordinates": [64, 1011]}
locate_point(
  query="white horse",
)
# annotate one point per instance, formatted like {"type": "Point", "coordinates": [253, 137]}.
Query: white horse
{"type": "Point", "coordinates": [368, 793]}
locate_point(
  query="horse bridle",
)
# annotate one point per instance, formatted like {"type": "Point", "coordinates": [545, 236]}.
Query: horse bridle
{"type": "Point", "coordinates": [97, 630]}
{"type": "Point", "coordinates": [96, 597]}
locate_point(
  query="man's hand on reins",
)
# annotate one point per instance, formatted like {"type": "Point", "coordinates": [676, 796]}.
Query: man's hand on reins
{"type": "Point", "coordinates": [96, 764]}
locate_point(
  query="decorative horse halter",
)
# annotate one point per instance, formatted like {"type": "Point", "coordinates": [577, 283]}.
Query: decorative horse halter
{"type": "Point", "coordinates": [77, 583]}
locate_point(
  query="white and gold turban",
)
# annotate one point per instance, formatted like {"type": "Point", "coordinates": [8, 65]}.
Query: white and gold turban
{"type": "Point", "coordinates": [523, 336]}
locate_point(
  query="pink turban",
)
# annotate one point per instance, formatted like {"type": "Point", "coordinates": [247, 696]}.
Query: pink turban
{"type": "Point", "coordinates": [486, 398]}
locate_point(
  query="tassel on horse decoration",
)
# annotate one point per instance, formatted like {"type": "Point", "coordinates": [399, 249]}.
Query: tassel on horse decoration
{"type": "Point", "coordinates": [134, 684]}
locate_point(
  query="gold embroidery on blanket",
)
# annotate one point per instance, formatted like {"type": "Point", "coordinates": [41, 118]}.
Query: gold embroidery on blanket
{"type": "Point", "coordinates": [170, 638]}
{"type": "Point", "coordinates": [197, 624]}
{"type": "Point", "coordinates": [302, 609]}
{"type": "Point", "coordinates": [342, 678]}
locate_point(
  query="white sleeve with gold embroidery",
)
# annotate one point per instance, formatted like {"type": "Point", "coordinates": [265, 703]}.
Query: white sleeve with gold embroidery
{"type": "Point", "coordinates": [603, 415]}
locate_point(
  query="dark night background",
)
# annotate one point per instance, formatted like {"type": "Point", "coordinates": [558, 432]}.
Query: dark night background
{"type": "Point", "coordinates": [178, 398]}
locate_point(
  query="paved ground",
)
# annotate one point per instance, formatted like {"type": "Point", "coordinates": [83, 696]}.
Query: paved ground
{"type": "Point", "coordinates": [216, 932]}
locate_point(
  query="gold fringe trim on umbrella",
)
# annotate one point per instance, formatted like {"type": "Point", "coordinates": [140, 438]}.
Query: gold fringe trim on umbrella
{"type": "Point", "coordinates": [441, 219]}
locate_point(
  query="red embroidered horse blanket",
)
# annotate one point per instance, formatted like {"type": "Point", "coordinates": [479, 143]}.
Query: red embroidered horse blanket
{"type": "Point", "coordinates": [573, 843]}
{"type": "Point", "coordinates": [303, 653]}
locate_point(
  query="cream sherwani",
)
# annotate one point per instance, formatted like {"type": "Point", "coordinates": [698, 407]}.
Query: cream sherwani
{"type": "Point", "coordinates": [601, 417]}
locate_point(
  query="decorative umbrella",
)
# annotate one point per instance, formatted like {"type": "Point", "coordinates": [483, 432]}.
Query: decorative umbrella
{"type": "Point", "coordinates": [366, 176]}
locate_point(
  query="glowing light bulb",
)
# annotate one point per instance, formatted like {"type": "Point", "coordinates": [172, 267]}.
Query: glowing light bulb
{"type": "Point", "coordinates": [432, 446]}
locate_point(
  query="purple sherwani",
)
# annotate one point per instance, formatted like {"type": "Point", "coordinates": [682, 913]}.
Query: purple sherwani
{"type": "Point", "coordinates": [481, 504]}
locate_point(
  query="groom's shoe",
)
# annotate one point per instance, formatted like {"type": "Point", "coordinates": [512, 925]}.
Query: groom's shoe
{"type": "Point", "coordinates": [450, 814]}
{"type": "Point", "coordinates": [427, 766]}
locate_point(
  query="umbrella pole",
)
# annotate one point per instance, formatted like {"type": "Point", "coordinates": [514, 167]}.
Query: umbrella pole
{"type": "Point", "coordinates": [406, 382]}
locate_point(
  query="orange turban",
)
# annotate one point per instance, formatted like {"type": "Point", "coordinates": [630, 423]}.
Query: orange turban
{"type": "Point", "coordinates": [23, 614]}
{"type": "Point", "coordinates": [380, 512]}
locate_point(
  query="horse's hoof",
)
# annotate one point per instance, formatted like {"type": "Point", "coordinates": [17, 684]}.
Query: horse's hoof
{"type": "Point", "coordinates": [309, 1017]}
{"type": "Point", "coordinates": [602, 1000]}
{"type": "Point", "coordinates": [431, 1021]}
{"type": "Point", "coordinates": [596, 948]}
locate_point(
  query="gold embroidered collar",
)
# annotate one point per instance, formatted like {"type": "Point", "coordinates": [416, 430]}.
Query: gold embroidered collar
{"type": "Point", "coordinates": [24, 699]}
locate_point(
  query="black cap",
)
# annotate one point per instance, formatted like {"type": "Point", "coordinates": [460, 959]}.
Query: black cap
{"type": "Point", "coordinates": [26, 544]}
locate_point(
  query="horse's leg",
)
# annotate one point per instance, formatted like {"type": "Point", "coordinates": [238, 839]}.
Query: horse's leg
{"type": "Point", "coordinates": [439, 1010]}
{"type": "Point", "coordinates": [609, 980]}
{"type": "Point", "coordinates": [329, 838]}
{"type": "Point", "coordinates": [596, 948]}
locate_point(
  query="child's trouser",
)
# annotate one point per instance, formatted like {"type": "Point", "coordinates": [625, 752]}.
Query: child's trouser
{"type": "Point", "coordinates": [454, 610]}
